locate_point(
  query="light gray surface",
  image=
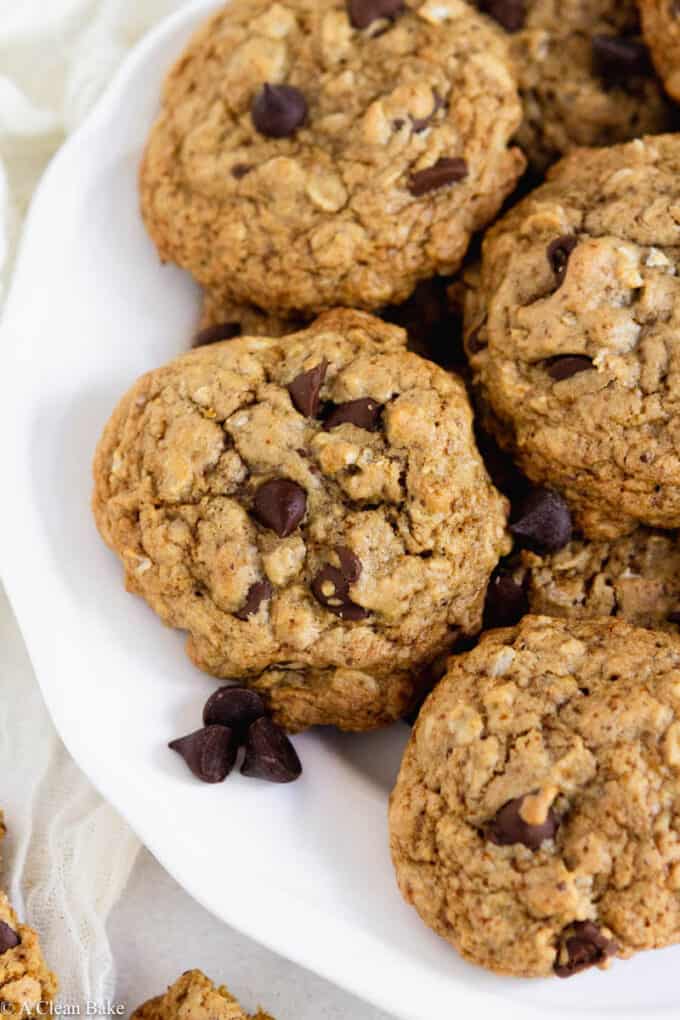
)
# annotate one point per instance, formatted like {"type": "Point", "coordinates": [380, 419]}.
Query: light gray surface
{"type": "Point", "coordinates": [158, 931]}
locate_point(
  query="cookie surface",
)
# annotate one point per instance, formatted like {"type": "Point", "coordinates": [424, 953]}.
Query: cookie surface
{"type": "Point", "coordinates": [584, 74]}
{"type": "Point", "coordinates": [386, 147]}
{"type": "Point", "coordinates": [312, 510]}
{"type": "Point", "coordinates": [661, 27]}
{"type": "Point", "coordinates": [572, 334]}
{"type": "Point", "coordinates": [534, 823]}
{"type": "Point", "coordinates": [194, 997]}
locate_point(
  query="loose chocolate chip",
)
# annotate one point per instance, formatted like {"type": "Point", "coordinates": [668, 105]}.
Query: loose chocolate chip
{"type": "Point", "coordinates": [210, 753]}
{"type": "Point", "coordinates": [213, 334]}
{"type": "Point", "coordinates": [331, 586]}
{"type": "Point", "coordinates": [235, 707]}
{"type": "Point", "coordinates": [257, 593]}
{"type": "Point", "coordinates": [508, 13]}
{"type": "Point", "coordinates": [508, 827]}
{"type": "Point", "coordinates": [240, 170]}
{"type": "Point", "coordinates": [564, 366]}
{"type": "Point", "coordinates": [544, 521]}
{"type": "Point", "coordinates": [583, 946]}
{"type": "Point", "coordinates": [270, 754]}
{"type": "Point", "coordinates": [420, 123]}
{"type": "Point", "coordinates": [363, 13]}
{"type": "Point", "coordinates": [558, 253]}
{"type": "Point", "coordinates": [278, 110]}
{"type": "Point", "coordinates": [364, 413]}
{"type": "Point", "coordinates": [280, 505]}
{"type": "Point", "coordinates": [305, 388]}
{"type": "Point", "coordinates": [506, 601]}
{"type": "Point", "coordinates": [616, 59]}
{"type": "Point", "coordinates": [8, 938]}
{"type": "Point", "coordinates": [444, 171]}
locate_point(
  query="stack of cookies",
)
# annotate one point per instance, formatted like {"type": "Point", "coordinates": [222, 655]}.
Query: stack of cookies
{"type": "Point", "coordinates": [308, 494]}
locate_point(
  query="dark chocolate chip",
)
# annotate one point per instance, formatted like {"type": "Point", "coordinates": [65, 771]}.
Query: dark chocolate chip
{"type": "Point", "coordinates": [280, 505]}
{"type": "Point", "coordinates": [257, 593]}
{"type": "Point", "coordinates": [508, 827]}
{"type": "Point", "coordinates": [330, 586]}
{"type": "Point", "coordinates": [210, 753]}
{"type": "Point", "coordinates": [305, 388]}
{"type": "Point", "coordinates": [616, 59]}
{"type": "Point", "coordinates": [235, 707]}
{"type": "Point", "coordinates": [444, 171]}
{"type": "Point", "coordinates": [270, 754]}
{"type": "Point", "coordinates": [213, 334]}
{"type": "Point", "coordinates": [364, 413]}
{"type": "Point", "coordinates": [583, 946]}
{"type": "Point", "coordinates": [420, 123]}
{"type": "Point", "coordinates": [543, 522]}
{"type": "Point", "coordinates": [508, 13]}
{"type": "Point", "coordinates": [564, 366]}
{"type": "Point", "coordinates": [363, 13]}
{"type": "Point", "coordinates": [278, 110]}
{"type": "Point", "coordinates": [559, 252]}
{"type": "Point", "coordinates": [9, 939]}
{"type": "Point", "coordinates": [506, 601]}
{"type": "Point", "coordinates": [674, 617]}
{"type": "Point", "coordinates": [240, 170]}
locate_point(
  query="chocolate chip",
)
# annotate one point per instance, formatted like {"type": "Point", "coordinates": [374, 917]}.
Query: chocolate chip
{"type": "Point", "coordinates": [674, 617]}
{"type": "Point", "coordinates": [559, 252]}
{"type": "Point", "coordinates": [240, 170]}
{"type": "Point", "coordinates": [278, 110]}
{"type": "Point", "coordinates": [363, 13]}
{"type": "Point", "coordinates": [331, 586]}
{"type": "Point", "coordinates": [506, 601]}
{"type": "Point", "coordinates": [8, 938]}
{"type": "Point", "coordinates": [364, 413]}
{"type": "Point", "coordinates": [544, 521]}
{"type": "Point", "coordinates": [508, 13]}
{"type": "Point", "coordinates": [257, 593]}
{"type": "Point", "coordinates": [616, 59]}
{"type": "Point", "coordinates": [213, 334]}
{"type": "Point", "coordinates": [564, 366]}
{"type": "Point", "coordinates": [508, 827]}
{"type": "Point", "coordinates": [270, 754]}
{"type": "Point", "coordinates": [583, 946]}
{"type": "Point", "coordinates": [210, 753]}
{"type": "Point", "coordinates": [235, 707]}
{"type": "Point", "coordinates": [305, 388]}
{"type": "Point", "coordinates": [280, 505]}
{"type": "Point", "coordinates": [420, 123]}
{"type": "Point", "coordinates": [444, 171]}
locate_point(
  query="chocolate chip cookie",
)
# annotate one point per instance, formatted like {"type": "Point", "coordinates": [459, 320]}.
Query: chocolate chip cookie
{"type": "Point", "coordinates": [315, 153]}
{"type": "Point", "coordinates": [312, 510]}
{"type": "Point", "coordinates": [194, 997]}
{"type": "Point", "coordinates": [573, 335]}
{"type": "Point", "coordinates": [535, 824]}
{"type": "Point", "coordinates": [585, 76]}
{"type": "Point", "coordinates": [27, 987]}
{"type": "Point", "coordinates": [661, 27]}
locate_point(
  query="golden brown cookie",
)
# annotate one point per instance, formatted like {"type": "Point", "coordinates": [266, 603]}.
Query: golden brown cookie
{"type": "Point", "coordinates": [573, 336]}
{"type": "Point", "coordinates": [27, 987]}
{"type": "Point", "coordinates": [312, 153]}
{"type": "Point", "coordinates": [312, 510]}
{"type": "Point", "coordinates": [535, 823]}
{"type": "Point", "coordinates": [661, 27]}
{"type": "Point", "coordinates": [194, 997]}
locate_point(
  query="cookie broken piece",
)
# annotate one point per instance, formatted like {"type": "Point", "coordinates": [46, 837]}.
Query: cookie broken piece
{"type": "Point", "coordinates": [534, 823]}
{"type": "Point", "coordinates": [194, 997]}
{"type": "Point", "coordinates": [319, 540]}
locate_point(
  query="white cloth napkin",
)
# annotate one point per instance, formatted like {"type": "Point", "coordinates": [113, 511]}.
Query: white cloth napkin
{"type": "Point", "coordinates": [68, 853]}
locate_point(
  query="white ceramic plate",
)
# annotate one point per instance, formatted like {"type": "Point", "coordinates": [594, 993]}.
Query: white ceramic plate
{"type": "Point", "coordinates": [305, 869]}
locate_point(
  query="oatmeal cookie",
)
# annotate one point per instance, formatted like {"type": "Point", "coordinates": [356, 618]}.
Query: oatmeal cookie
{"type": "Point", "coordinates": [27, 987]}
{"type": "Point", "coordinates": [194, 997]}
{"type": "Point", "coordinates": [661, 27]}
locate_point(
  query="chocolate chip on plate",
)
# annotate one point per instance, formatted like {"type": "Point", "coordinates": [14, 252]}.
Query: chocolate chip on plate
{"type": "Point", "coordinates": [564, 366]}
{"type": "Point", "coordinates": [235, 707]}
{"type": "Point", "coordinates": [444, 171]}
{"type": "Point", "coordinates": [508, 13]}
{"type": "Point", "coordinates": [280, 505]}
{"type": "Point", "coordinates": [583, 946]}
{"type": "Point", "coordinates": [559, 252]}
{"type": "Point", "coordinates": [305, 388]}
{"type": "Point", "coordinates": [213, 334]}
{"type": "Point", "coordinates": [543, 522]}
{"type": "Point", "coordinates": [330, 587]}
{"type": "Point", "coordinates": [508, 827]}
{"type": "Point", "coordinates": [616, 58]}
{"type": "Point", "coordinates": [278, 111]}
{"type": "Point", "coordinates": [258, 593]}
{"type": "Point", "coordinates": [210, 753]}
{"type": "Point", "coordinates": [270, 754]}
{"type": "Point", "coordinates": [363, 13]}
{"type": "Point", "coordinates": [9, 939]}
{"type": "Point", "coordinates": [506, 601]}
{"type": "Point", "coordinates": [364, 413]}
